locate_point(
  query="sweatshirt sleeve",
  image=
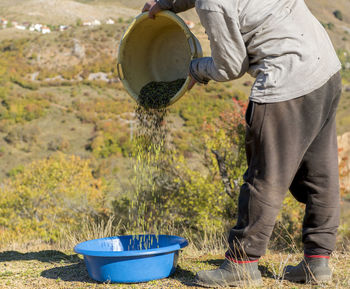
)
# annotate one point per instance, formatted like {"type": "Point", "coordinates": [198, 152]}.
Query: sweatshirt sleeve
{"type": "Point", "coordinates": [176, 6]}
{"type": "Point", "coordinates": [229, 59]}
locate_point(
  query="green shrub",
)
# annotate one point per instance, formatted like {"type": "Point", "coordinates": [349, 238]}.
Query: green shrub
{"type": "Point", "coordinates": [58, 144]}
{"type": "Point", "coordinates": [48, 195]}
{"type": "Point", "coordinates": [79, 22]}
{"type": "Point", "coordinates": [19, 135]}
{"type": "Point", "coordinates": [105, 145]}
{"type": "Point", "coordinates": [344, 57]}
{"type": "Point", "coordinates": [46, 73]}
{"type": "Point", "coordinates": [328, 25]}
{"type": "Point", "coordinates": [15, 171]}
{"type": "Point", "coordinates": [112, 138]}
{"type": "Point", "coordinates": [21, 108]}
{"type": "Point", "coordinates": [337, 14]}
{"type": "Point", "coordinates": [25, 83]}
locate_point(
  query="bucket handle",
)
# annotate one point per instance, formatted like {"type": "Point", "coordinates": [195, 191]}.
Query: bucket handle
{"type": "Point", "coordinates": [192, 46]}
{"type": "Point", "coordinates": [120, 71]}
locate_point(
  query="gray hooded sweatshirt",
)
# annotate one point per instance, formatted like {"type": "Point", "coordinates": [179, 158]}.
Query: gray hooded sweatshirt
{"type": "Point", "coordinates": [278, 42]}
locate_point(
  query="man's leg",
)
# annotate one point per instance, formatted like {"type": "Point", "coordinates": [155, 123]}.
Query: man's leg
{"type": "Point", "coordinates": [317, 185]}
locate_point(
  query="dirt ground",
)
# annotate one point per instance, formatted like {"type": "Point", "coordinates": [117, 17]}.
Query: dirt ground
{"type": "Point", "coordinates": [52, 269]}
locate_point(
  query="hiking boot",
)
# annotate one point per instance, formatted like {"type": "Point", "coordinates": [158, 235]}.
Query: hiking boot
{"type": "Point", "coordinates": [310, 270]}
{"type": "Point", "coordinates": [231, 273]}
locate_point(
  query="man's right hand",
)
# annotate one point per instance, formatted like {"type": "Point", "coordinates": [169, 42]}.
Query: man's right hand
{"type": "Point", "coordinates": [191, 83]}
{"type": "Point", "coordinates": [152, 7]}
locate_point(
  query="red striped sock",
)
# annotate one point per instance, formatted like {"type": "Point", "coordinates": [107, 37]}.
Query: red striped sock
{"type": "Point", "coordinates": [316, 256]}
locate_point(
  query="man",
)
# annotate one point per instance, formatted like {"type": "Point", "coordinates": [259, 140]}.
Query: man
{"type": "Point", "coordinates": [290, 138]}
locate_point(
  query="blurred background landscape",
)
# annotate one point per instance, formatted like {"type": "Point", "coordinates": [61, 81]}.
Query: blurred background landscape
{"type": "Point", "coordinates": [68, 153]}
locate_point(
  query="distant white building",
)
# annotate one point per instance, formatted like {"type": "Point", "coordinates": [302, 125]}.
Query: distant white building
{"type": "Point", "coordinates": [4, 22]}
{"type": "Point", "coordinates": [96, 22]}
{"type": "Point", "coordinates": [38, 27]}
{"type": "Point", "coordinates": [87, 23]}
{"type": "Point", "coordinates": [45, 30]}
{"type": "Point", "coordinates": [20, 27]}
{"type": "Point", "coordinates": [110, 21]}
{"type": "Point", "coordinates": [63, 27]}
{"type": "Point", "coordinates": [190, 24]}
{"type": "Point", "coordinates": [14, 23]}
{"type": "Point", "coordinates": [32, 28]}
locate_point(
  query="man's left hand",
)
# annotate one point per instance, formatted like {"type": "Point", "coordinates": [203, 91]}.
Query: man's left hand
{"type": "Point", "coordinates": [152, 7]}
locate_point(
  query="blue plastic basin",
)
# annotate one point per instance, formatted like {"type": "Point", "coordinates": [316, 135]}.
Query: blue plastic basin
{"type": "Point", "coordinates": [132, 258]}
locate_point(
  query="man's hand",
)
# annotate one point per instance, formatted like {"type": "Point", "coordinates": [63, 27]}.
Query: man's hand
{"type": "Point", "coordinates": [152, 7]}
{"type": "Point", "coordinates": [192, 83]}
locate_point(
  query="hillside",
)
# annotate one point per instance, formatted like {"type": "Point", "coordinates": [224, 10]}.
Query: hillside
{"type": "Point", "coordinates": [86, 49]}
{"type": "Point", "coordinates": [68, 11]}
{"type": "Point", "coordinates": [61, 11]}
{"type": "Point", "coordinates": [338, 30]}
{"type": "Point", "coordinates": [67, 150]}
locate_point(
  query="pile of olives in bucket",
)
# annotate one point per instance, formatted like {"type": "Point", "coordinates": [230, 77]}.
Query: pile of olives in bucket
{"type": "Point", "coordinates": [157, 94]}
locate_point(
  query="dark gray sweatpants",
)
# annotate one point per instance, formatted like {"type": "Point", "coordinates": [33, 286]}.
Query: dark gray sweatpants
{"type": "Point", "coordinates": [290, 145]}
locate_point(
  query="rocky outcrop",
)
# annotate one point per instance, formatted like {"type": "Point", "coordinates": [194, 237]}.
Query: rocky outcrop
{"type": "Point", "coordinates": [78, 49]}
{"type": "Point", "coordinates": [344, 162]}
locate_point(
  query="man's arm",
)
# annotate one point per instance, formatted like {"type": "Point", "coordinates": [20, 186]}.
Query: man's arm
{"type": "Point", "coordinates": [229, 55]}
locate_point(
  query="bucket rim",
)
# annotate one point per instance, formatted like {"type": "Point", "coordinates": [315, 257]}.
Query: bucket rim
{"type": "Point", "coordinates": [181, 243]}
{"type": "Point", "coordinates": [166, 13]}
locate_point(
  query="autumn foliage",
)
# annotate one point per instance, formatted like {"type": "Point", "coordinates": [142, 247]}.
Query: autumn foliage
{"type": "Point", "coordinates": [47, 196]}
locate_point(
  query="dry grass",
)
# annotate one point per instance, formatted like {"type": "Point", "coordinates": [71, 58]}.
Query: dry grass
{"type": "Point", "coordinates": [44, 267]}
